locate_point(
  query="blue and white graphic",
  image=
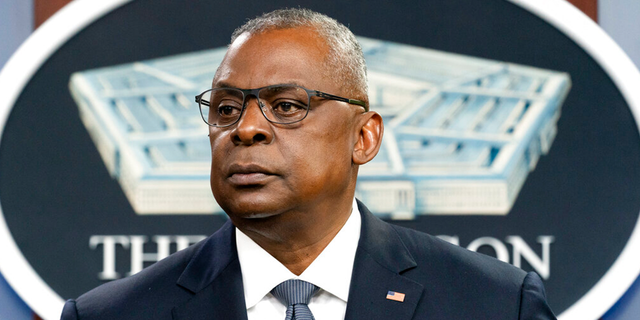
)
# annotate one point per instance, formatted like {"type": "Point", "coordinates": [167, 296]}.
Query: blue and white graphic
{"type": "Point", "coordinates": [461, 133]}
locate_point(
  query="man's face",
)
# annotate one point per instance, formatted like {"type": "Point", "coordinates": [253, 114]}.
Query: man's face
{"type": "Point", "coordinates": [260, 169]}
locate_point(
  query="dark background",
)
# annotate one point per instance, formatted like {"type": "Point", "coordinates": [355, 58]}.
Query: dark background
{"type": "Point", "coordinates": [55, 191]}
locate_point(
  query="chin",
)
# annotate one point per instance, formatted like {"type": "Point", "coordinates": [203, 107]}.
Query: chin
{"type": "Point", "coordinates": [252, 207]}
{"type": "Point", "coordinates": [252, 216]}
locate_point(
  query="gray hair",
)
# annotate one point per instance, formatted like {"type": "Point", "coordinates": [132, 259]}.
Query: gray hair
{"type": "Point", "coordinates": [345, 54]}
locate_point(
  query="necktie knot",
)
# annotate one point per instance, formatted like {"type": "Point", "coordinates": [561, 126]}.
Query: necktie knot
{"type": "Point", "coordinates": [294, 291]}
{"type": "Point", "coordinates": [295, 294]}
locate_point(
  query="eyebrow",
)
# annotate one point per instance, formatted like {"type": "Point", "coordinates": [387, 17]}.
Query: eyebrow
{"type": "Point", "coordinates": [223, 84]}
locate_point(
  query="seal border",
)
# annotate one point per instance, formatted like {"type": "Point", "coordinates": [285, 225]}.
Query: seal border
{"type": "Point", "coordinates": [71, 19]}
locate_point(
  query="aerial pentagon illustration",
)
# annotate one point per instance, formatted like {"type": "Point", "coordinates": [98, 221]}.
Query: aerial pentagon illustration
{"type": "Point", "coordinates": [461, 133]}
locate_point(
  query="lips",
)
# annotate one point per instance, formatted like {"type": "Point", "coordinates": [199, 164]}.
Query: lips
{"type": "Point", "coordinates": [249, 175]}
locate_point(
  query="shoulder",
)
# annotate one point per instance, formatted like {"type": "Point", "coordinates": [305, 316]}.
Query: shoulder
{"type": "Point", "coordinates": [465, 284]}
{"type": "Point", "coordinates": [441, 257]}
{"type": "Point", "coordinates": [433, 259]}
{"type": "Point", "coordinates": [426, 248]}
{"type": "Point", "coordinates": [151, 290]}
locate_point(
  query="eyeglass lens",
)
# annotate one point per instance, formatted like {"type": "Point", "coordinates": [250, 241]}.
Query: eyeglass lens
{"type": "Point", "coordinates": [279, 104]}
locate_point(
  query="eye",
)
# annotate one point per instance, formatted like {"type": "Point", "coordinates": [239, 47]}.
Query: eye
{"type": "Point", "coordinates": [286, 108]}
{"type": "Point", "coordinates": [228, 110]}
{"type": "Point", "coordinates": [227, 107]}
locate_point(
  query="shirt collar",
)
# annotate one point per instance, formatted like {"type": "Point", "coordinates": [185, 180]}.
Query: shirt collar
{"type": "Point", "coordinates": [331, 270]}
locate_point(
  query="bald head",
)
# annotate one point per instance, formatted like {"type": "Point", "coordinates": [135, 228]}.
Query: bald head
{"type": "Point", "coordinates": [345, 62]}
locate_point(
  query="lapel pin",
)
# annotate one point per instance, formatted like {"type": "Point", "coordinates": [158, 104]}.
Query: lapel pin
{"type": "Point", "coordinates": [395, 296]}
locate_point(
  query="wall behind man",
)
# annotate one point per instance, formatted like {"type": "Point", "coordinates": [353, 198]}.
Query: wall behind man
{"type": "Point", "coordinates": [16, 23]}
{"type": "Point", "coordinates": [619, 18]}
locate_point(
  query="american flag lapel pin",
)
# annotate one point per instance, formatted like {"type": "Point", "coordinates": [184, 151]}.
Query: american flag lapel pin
{"type": "Point", "coordinates": [395, 296]}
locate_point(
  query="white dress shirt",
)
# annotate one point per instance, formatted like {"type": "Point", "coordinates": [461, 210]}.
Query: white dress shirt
{"type": "Point", "coordinates": [330, 271]}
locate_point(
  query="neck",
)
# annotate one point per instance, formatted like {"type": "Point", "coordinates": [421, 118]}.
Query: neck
{"type": "Point", "coordinates": [297, 237]}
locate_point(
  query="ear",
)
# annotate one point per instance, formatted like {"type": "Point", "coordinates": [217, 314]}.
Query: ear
{"type": "Point", "coordinates": [369, 137]}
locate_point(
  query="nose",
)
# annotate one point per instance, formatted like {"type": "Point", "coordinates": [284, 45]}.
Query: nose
{"type": "Point", "coordinates": [252, 127]}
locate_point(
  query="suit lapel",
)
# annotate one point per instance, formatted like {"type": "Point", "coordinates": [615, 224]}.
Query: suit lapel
{"type": "Point", "coordinates": [214, 276]}
{"type": "Point", "coordinates": [381, 258]}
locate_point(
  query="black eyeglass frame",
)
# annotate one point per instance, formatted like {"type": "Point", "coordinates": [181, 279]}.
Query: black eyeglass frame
{"type": "Point", "coordinates": [254, 92]}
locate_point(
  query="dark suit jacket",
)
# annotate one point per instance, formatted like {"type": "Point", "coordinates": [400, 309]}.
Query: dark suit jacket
{"type": "Point", "coordinates": [439, 280]}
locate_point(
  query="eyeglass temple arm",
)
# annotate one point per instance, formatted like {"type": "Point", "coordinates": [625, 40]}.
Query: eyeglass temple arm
{"type": "Point", "coordinates": [201, 101]}
{"type": "Point", "coordinates": [333, 97]}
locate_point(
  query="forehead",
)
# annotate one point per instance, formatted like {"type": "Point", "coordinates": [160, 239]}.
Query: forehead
{"type": "Point", "coordinates": [275, 56]}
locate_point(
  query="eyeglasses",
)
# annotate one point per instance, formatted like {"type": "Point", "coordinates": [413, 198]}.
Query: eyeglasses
{"type": "Point", "coordinates": [281, 103]}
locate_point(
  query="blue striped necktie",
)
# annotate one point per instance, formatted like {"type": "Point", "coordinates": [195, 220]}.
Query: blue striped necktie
{"type": "Point", "coordinates": [296, 294]}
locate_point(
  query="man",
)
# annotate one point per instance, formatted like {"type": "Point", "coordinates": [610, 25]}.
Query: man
{"type": "Point", "coordinates": [289, 127]}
